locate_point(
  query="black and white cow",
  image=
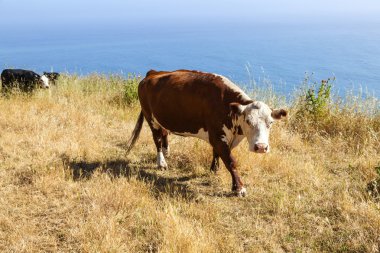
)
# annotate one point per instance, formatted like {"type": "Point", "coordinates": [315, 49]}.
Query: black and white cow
{"type": "Point", "coordinates": [53, 76]}
{"type": "Point", "coordinates": [25, 80]}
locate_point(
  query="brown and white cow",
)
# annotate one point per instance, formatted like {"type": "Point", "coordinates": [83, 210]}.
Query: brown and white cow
{"type": "Point", "coordinates": [207, 106]}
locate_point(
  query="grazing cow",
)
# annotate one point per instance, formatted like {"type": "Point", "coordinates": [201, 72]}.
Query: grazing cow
{"type": "Point", "coordinates": [52, 76]}
{"type": "Point", "coordinates": [25, 80]}
{"type": "Point", "coordinates": [207, 106]}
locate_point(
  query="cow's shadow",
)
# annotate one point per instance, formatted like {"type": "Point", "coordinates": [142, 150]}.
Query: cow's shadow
{"type": "Point", "coordinates": [186, 185]}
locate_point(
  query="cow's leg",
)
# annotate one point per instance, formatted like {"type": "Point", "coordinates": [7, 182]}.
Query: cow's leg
{"type": "Point", "coordinates": [215, 161]}
{"type": "Point", "coordinates": [158, 139]}
{"type": "Point", "coordinates": [223, 150]}
{"type": "Point", "coordinates": [165, 143]}
{"type": "Point", "coordinates": [157, 133]}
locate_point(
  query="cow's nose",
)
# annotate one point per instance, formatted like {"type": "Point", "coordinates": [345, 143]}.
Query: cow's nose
{"type": "Point", "coordinates": [261, 147]}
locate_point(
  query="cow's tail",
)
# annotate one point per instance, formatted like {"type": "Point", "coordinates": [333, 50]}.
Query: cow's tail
{"type": "Point", "coordinates": [136, 132]}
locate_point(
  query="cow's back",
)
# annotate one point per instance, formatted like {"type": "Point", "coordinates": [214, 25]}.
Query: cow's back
{"type": "Point", "coordinates": [184, 100]}
{"type": "Point", "coordinates": [25, 79]}
{"type": "Point", "coordinates": [8, 78]}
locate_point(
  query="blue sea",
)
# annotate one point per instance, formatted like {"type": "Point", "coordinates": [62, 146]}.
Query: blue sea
{"type": "Point", "coordinates": [283, 54]}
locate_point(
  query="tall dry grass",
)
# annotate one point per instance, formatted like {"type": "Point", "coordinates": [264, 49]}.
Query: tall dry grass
{"type": "Point", "coordinates": [66, 184]}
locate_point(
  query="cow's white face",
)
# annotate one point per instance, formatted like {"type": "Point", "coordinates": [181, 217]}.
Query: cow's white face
{"type": "Point", "coordinates": [256, 120]}
{"type": "Point", "coordinates": [44, 82]}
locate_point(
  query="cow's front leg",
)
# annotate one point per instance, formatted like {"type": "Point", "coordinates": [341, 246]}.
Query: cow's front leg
{"type": "Point", "coordinates": [215, 162]}
{"type": "Point", "coordinates": [223, 150]}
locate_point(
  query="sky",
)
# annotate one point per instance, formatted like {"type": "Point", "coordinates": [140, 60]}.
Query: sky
{"type": "Point", "coordinates": [42, 13]}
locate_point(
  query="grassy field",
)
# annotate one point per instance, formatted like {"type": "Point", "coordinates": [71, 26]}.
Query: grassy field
{"type": "Point", "coordinates": [66, 184]}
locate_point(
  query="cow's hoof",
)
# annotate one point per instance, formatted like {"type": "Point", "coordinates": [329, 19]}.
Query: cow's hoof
{"type": "Point", "coordinates": [242, 192]}
{"type": "Point", "coordinates": [161, 163]}
{"type": "Point", "coordinates": [163, 166]}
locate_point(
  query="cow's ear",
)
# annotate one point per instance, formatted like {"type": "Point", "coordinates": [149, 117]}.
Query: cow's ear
{"type": "Point", "coordinates": [237, 108]}
{"type": "Point", "coordinates": [246, 102]}
{"type": "Point", "coordinates": [279, 113]}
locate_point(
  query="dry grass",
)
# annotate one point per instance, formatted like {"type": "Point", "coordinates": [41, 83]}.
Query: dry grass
{"type": "Point", "coordinates": [66, 184]}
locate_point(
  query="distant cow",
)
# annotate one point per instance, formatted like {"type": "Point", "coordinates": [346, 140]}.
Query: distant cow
{"type": "Point", "coordinates": [53, 76]}
{"type": "Point", "coordinates": [25, 80]}
{"type": "Point", "coordinates": [207, 106]}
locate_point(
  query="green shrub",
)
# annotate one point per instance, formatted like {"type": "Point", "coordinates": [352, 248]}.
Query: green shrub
{"type": "Point", "coordinates": [130, 89]}
{"type": "Point", "coordinates": [316, 104]}
{"type": "Point", "coordinates": [377, 169]}
{"type": "Point", "coordinates": [312, 107]}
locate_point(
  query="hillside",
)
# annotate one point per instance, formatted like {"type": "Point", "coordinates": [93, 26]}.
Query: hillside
{"type": "Point", "coordinates": [67, 185]}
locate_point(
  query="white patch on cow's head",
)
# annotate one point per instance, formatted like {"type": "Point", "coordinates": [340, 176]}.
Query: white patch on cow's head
{"type": "Point", "coordinates": [256, 119]}
{"type": "Point", "coordinates": [45, 82]}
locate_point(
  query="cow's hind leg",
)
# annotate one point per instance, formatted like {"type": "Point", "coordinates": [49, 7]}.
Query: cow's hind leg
{"type": "Point", "coordinates": [215, 162]}
{"type": "Point", "coordinates": [158, 141]}
{"type": "Point", "coordinates": [165, 143]}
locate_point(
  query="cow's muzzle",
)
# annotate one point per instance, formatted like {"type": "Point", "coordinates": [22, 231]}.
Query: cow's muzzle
{"type": "Point", "coordinates": [261, 148]}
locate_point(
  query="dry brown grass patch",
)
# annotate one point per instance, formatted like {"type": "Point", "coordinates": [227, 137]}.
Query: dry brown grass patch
{"type": "Point", "coordinates": [67, 186]}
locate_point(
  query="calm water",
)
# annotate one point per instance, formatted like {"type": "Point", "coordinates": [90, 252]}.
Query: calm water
{"type": "Point", "coordinates": [280, 53]}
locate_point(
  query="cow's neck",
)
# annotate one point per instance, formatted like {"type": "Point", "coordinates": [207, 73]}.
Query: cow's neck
{"type": "Point", "coordinates": [234, 135]}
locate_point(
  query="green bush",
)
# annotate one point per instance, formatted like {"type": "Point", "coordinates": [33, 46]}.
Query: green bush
{"type": "Point", "coordinates": [130, 89]}
{"type": "Point", "coordinates": [316, 104]}
{"type": "Point", "coordinates": [377, 169]}
{"type": "Point", "coordinates": [312, 108]}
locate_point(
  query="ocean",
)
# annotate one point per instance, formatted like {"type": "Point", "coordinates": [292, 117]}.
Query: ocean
{"type": "Point", "coordinates": [282, 54]}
